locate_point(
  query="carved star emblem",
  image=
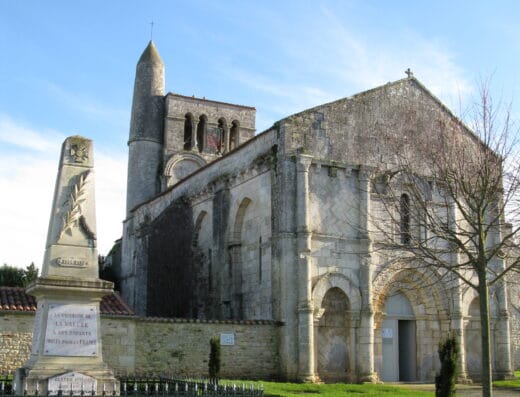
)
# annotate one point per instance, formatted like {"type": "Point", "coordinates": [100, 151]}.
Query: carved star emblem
{"type": "Point", "coordinates": [79, 153]}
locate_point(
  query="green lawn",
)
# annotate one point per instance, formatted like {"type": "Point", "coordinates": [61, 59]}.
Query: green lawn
{"type": "Point", "coordinates": [279, 389]}
{"type": "Point", "coordinates": [513, 384]}
{"type": "Point", "coordinates": [273, 389]}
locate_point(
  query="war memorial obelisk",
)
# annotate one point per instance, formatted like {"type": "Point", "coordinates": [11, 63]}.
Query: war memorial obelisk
{"type": "Point", "coordinates": [66, 348]}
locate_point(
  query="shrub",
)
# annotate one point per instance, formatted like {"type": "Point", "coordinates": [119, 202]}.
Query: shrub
{"type": "Point", "coordinates": [214, 360]}
{"type": "Point", "coordinates": [448, 354]}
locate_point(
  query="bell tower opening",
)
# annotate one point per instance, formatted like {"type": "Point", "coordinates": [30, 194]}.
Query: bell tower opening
{"type": "Point", "coordinates": [201, 133]}
{"type": "Point", "coordinates": [188, 131]}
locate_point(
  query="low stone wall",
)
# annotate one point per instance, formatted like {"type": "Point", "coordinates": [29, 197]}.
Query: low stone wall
{"type": "Point", "coordinates": [160, 346]}
{"type": "Point", "coordinates": [15, 339]}
{"type": "Point", "coordinates": [119, 342]}
{"type": "Point", "coordinates": [182, 348]}
{"type": "Point", "coordinates": [164, 346]}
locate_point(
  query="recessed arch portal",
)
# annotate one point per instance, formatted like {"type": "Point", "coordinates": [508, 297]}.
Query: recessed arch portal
{"type": "Point", "coordinates": [236, 258]}
{"type": "Point", "coordinates": [399, 340]}
{"type": "Point", "coordinates": [334, 347]}
{"type": "Point", "coordinates": [337, 302]}
{"type": "Point", "coordinates": [424, 290]}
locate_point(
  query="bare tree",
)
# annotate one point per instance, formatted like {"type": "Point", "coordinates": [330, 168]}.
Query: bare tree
{"type": "Point", "coordinates": [452, 204]}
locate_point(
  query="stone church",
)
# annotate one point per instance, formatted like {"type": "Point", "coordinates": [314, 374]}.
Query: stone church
{"type": "Point", "coordinates": [223, 222]}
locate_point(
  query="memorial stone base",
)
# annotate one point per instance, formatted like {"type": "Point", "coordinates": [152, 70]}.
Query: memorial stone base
{"type": "Point", "coordinates": [66, 353]}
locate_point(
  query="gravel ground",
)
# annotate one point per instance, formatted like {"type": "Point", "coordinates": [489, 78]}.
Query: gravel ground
{"type": "Point", "coordinates": [476, 391]}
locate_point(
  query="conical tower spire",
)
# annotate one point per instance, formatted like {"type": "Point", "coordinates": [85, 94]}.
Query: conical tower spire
{"type": "Point", "coordinates": [147, 104]}
{"type": "Point", "coordinates": [151, 55]}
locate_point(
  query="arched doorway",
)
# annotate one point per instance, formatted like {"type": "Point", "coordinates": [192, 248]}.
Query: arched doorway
{"type": "Point", "coordinates": [399, 341]}
{"type": "Point", "coordinates": [333, 353]}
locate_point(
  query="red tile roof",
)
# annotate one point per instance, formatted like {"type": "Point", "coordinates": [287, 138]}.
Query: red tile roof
{"type": "Point", "coordinates": [114, 304]}
{"type": "Point", "coordinates": [15, 299]}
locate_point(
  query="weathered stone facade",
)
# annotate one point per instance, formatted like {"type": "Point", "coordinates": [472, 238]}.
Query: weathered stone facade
{"type": "Point", "coordinates": [134, 345]}
{"type": "Point", "coordinates": [281, 228]}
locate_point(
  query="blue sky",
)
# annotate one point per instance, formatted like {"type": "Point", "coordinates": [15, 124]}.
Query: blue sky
{"type": "Point", "coordinates": [67, 67]}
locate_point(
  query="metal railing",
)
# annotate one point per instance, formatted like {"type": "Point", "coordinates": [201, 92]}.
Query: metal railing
{"type": "Point", "coordinates": [145, 387]}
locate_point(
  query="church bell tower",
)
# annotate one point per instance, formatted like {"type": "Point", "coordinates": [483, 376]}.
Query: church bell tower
{"type": "Point", "coordinates": [146, 129]}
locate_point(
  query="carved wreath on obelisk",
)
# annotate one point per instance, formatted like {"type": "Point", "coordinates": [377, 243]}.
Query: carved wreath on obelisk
{"type": "Point", "coordinates": [74, 216]}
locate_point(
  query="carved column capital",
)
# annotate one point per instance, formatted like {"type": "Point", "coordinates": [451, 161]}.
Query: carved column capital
{"type": "Point", "coordinates": [303, 162]}
{"type": "Point", "coordinates": [365, 172]}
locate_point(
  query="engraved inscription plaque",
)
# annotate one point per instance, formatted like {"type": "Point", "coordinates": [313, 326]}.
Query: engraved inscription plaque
{"type": "Point", "coordinates": [72, 262]}
{"type": "Point", "coordinates": [74, 382]}
{"type": "Point", "coordinates": [71, 330]}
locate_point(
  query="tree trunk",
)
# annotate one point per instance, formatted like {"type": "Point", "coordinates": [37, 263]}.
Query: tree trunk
{"type": "Point", "coordinates": [487, 387]}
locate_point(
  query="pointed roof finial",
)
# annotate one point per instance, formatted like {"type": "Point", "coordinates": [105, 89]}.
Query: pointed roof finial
{"type": "Point", "coordinates": [409, 73]}
{"type": "Point", "coordinates": [151, 31]}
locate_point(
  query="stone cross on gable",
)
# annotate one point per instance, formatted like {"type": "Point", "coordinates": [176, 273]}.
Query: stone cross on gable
{"type": "Point", "coordinates": [409, 72]}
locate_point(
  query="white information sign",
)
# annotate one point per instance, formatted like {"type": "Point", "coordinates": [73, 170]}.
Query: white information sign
{"type": "Point", "coordinates": [227, 339]}
{"type": "Point", "coordinates": [71, 330]}
{"type": "Point", "coordinates": [72, 381]}
{"type": "Point", "coordinates": [388, 333]}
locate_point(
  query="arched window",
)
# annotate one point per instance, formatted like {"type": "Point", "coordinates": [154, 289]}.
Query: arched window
{"type": "Point", "coordinates": [233, 135]}
{"type": "Point", "coordinates": [404, 208]}
{"type": "Point", "coordinates": [201, 133]}
{"type": "Point", "coordinates": [222, 128]}
{"type": "Point", "coordinates": [188, 131]}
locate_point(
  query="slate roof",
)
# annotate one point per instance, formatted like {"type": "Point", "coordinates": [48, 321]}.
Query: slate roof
{"type": "Point", "coordinates": [15, 299]}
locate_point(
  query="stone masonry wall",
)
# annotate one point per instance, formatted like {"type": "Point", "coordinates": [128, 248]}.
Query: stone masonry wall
{"type": "Point", "coordinates": [182, 348]}
{"type": "Point", "coordinates": [16, 337]}
{"type": "Point", "coordinates": [15, 340]}
{"type": "Point", "coordinates": [119, 343]}
{"type": "Point", "coordinates": [160, 346]}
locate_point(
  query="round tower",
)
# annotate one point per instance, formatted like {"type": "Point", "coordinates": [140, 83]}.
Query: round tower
{"type": "Point", "coordinates": [146, 129]}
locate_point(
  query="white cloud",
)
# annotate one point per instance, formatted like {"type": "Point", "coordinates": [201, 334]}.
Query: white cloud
{"type": "Point", "coordinates": [27, 180]}
{"type": "Point", "coordinates": [329, 60]}
{"type": "Point", "coordinates": [110, 171]}
{"type": "Point", "coordinates": [27, 185]}
{"type": "Point", "coordinates": [15, 133]}
{"type": "Point", "coordinates": [88, 106]}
